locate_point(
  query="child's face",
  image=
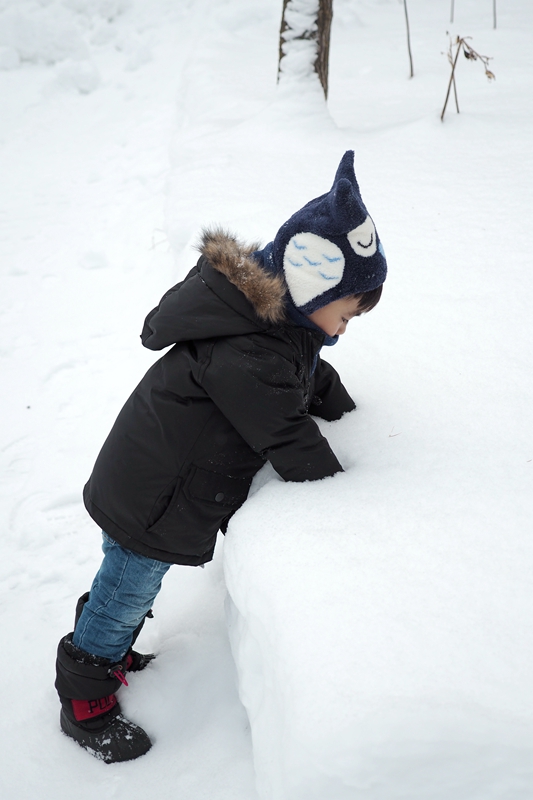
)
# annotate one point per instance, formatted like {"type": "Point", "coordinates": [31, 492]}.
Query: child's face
{"type": "Point", "coordinates": [334, 318]}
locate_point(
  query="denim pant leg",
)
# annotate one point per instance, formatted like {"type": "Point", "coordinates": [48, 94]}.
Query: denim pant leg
{"type": "Point", "coordinates": [123, 590]}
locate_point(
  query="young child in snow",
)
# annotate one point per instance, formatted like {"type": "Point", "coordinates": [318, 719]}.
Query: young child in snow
{"type": "Point", "coordinates": [238, 387]}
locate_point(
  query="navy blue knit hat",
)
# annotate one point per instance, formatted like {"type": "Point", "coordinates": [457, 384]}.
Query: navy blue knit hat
{"type": "Point", "coordinates": [330, 248]}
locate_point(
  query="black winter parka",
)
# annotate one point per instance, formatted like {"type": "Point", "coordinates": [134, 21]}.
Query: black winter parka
{"type": "Point", "coordinates": [235, 390]}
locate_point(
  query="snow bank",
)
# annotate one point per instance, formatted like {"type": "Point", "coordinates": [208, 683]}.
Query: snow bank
{"type": "Point", "coordinates": [380, 655]}
{"type": "Point", "coordinates": [68, 31]}
{"type": "Point", "coordinates": [44, 35]}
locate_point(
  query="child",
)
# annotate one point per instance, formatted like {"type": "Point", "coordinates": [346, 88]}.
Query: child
{"type": "Point", "coordinates": [238, 387]}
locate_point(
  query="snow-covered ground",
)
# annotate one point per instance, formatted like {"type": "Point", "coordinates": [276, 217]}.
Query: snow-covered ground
{"type": "Point", "coordinates": [380, 620]}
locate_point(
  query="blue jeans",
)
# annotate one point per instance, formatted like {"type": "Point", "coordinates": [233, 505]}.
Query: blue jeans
{"type": "Point", "coordinates": [123, 590]}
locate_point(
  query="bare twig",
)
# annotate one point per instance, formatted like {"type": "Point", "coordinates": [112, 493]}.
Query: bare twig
{"type": "Point", "coordinates": [408, 39]}
{"type": "Point", "coordinates": [452, 9]}
{"type": "Point", "coordinates": [461, 44]}
{"type": "Point", "coordinates": [455, 94]}
{"type": "Point", "coordinates": [453, 62]}
{"type": "Point", "coordinates": [473, 55]}
{"type": "Point", "coordinates": [494, 12]}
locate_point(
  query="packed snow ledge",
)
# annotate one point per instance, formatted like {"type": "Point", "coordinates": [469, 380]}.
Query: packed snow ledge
{"type": "Point", "coordinates": [379, 637]}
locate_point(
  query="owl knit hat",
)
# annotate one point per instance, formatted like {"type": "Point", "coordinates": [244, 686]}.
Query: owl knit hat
{"type": "Point", "coordinates": [330, 248]}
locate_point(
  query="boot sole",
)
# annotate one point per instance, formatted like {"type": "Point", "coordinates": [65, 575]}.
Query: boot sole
{"type": "Point", "coordinates": [121, 740]}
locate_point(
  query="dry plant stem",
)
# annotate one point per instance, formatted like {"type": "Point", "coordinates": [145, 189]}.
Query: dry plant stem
{"type": "Point", "coordinates": [455, 95]}
{"type": "Point", "coordinates": [471, 55]}
{"type": "Point", "coordinates": [452, 9]}
{"type": "Point", "coordinates": [452, 80]}
{"type": "Point", "coordinates": [494, 12]}
{"type": "Point", "coordinates": [408, 39]}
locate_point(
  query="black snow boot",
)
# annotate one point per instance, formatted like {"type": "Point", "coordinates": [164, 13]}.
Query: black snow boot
{"type": "Point", "coordinates": [110, 737]}
{"type": "Point", "coordinates": [96, 721]}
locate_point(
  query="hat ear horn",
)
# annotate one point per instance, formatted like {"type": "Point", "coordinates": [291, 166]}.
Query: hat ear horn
{"type": "Point", "coordinates": [345, 171]}
{"type": "Point", "coordinates": [345, 206]}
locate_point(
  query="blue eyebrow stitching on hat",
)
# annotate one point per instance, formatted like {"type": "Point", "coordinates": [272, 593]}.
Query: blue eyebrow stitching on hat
{"type": "Point", "coordinates": [299, 246]}
{"type": "Point", "coordinates": [331, 260]}
{"type": "Point", "coordinates": [294, 263]}
{"type": "Point", "coordinates": [312, 263]}
{"type": "Point", "coordinates": [328, 277]}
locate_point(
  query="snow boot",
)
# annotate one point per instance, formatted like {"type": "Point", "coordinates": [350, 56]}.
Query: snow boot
{"type": "Point", "coordinates": [109, 737]}
{"type": "Point", "coordinates": [96, 721]}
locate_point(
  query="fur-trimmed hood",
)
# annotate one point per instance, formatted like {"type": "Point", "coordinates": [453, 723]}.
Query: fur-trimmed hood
{"type": "Point", "coordinates": [233, 259]}
{"type": "Point", "coordinates": [228, 293]}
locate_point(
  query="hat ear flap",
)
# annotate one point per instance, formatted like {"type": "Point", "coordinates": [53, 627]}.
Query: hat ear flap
{"type": "Point", "coordinates": [345, 171]}
{"type": "Point", "coordinates": [345, 206]}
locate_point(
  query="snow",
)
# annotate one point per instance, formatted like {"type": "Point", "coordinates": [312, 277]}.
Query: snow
{"type": "Point", "coordinates": [380, 620]}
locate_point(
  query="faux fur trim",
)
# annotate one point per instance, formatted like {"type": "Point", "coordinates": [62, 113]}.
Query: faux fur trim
{"type": "Point", "coordinates": [233, 259]}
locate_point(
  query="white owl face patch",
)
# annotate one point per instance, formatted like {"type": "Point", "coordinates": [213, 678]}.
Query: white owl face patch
{"type": "Point", "coordinates": [312, 265]}
{"type": "Point", "coordinates": [363, 239]}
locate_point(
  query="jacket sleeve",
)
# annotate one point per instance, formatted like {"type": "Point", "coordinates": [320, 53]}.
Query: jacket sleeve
{"type": "Point", "coordinates": [258, 391]}
{"type": "Point", "coordinates": [330, 400]}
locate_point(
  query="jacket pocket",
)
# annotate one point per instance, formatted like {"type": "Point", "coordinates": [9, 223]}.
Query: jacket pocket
{"type": "Point", "coordinates": [196, 511]}
{"type": "Point", "coordinates": [163, 523]}
{"type": "Point", "coordinates": [223, 491]}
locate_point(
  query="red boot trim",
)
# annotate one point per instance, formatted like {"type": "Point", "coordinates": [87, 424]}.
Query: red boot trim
{"type": "Point", "coordinates": [87, 709]}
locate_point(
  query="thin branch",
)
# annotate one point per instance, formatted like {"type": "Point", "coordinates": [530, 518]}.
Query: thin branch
{"type": "Point", "coordinates": [455, 95]}
{"type": "Point", "coordinates": [473, 55]}
{"type": "Point", "coordinates": [408, 39]}
{"type": "Point", "coordinates": [469, 53]}
{"type": "Point", "coordinates": [453, 62]}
